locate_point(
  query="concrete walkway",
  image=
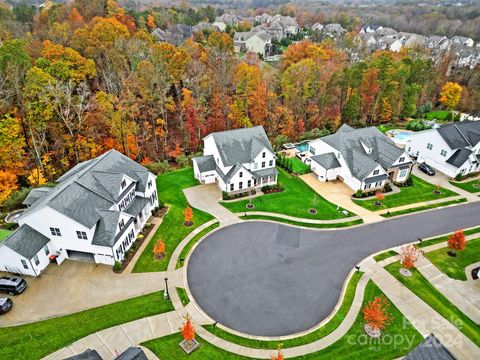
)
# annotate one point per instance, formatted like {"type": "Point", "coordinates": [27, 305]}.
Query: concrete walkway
{"type": "Point", "coordinates": [420, 204]}
{"type": "Point", "coordinates": [301, 220]}
{"type": "Point", "coordinates": [423, 317]}
{"type": "Point", "coordinates": [206, 198]}
{"type": "Point", "coordinates": [340, 194]}
{"type": "Point", "coordinates": [156, 224]}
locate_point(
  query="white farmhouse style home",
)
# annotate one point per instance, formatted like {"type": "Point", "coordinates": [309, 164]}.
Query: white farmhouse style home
{"type": "Point", "coordinates": [237, 160]}
{"type": "Point", "coordinates": [453, 149]}
{"type": "Point", "coordinates": [365, 159]}
{"type": "Point", "coordinates": [258, 42]}
{"type": "Point", "coordinates": [94, 213]}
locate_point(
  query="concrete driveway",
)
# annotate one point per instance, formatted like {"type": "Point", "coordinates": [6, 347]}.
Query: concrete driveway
{"type": "Point", "coordinates": [206, 198]}
{"type": "Point", "coordinates": [268, 279]}
{"type": "Point", "coordinates": [339, 194]}
{"type": "Point", "coordinates": [74, 286]}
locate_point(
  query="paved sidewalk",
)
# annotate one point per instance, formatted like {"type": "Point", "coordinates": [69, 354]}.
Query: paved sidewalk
{"type": "Point", "coordinates": [340, 194]}
{"type": "Point", "coordinates": [420, 204]}
{"type": "Point", "coordinates": [423, 317]}
{"type": "Point", "coordinates": [205, 198]}
{"type": "Point", "coordinates": [302, 220]}
{"type": "Point", "coordinates": [156, 224]}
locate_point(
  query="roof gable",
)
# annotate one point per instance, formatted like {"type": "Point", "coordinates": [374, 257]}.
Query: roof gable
{"type": "Point", "coordinates": [26, 241]}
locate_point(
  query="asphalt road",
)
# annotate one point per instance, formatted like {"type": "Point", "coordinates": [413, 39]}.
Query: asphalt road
{"type": "Point", "coordinates": [269, 279]}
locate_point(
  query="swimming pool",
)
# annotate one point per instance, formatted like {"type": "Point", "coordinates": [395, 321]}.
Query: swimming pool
{"type": "Point", "coordinates": [402, 136]}
{"type": "Point", "coordinates": [302, 147]}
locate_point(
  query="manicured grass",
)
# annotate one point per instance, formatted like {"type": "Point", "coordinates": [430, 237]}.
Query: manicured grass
{"type": "Point", "coordinates": [315, 226]}
{"type": "Point", "coordinates": [454, 267]}
{"type": "Point", "coordinates": [435, 299]}
{"type": "Point", "coordinates": [439, 115]}
{"type": "Point", "coordinates": [421, 208]}
{"type": "Point", "coordinates": [470, 186]}
{"type": "Point", "coordinates": [186, 249]}
{"type": "Point", "coordinates": [299, 167]}
{"type": "Point", "coordinates": [36, 340]}
{"type": "Point", "coordinates": [171, 231]}
{"type": "Point", "coordinates": [420, 191]}
{"type": "Point", "coordinates": [384, 255]}
{"type": "Point", "coordinates": [445, 237]}
{"type": "Point", "coordinates": [182, 294]}
{"type": "Point", "coordinates": [167, 348]}
{"type": "Point", "coordinates": [3, 234]}
{"type": "Point", "coordinates": [354, 345]}
{"type": "Point", "coordinates": [306, 339]}
{"type": "Point", "coordinates": [295, 201]}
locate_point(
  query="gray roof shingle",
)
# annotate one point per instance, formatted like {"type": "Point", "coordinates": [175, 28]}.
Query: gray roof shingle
{"type": "Point", "coordinates": [430, 349]}
{"type": "Point", "coordinates": [459, 157]}
{"type": "Point", "coordinates": [36, 194]}
{"type": "Point", "coordinates": [241, 145]}
{"type": "Point", "coordinates": [26, 241]}
{"type": "Point", "coordinates": [106, 228]}
{"type": "Point", "coordinates": [132, 353]}
{"type": "Point", "coordinates": [205, 163]}
{"type": "Point", "coordinates": [461, 134]}
{"type": "Point", "coordinates": [137, 205]}
{"type": "Point", "coordinates": [88, 354]}
{"type": "Point", "coordinates": [327, 161]}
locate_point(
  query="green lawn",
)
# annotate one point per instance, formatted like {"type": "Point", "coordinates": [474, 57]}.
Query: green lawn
{"type": "Point", "coordinates": [171, 231]}
{"type": "Point", "coordinates": [470, 186]}
{"type": "Point", "coordinates": [297, 223]}
{"type": "Point", "coordinates": [182, 294]}
{"type": "Point", "coordinates": [384, 255]}
{"type": "Point", "coordinates": [297, 198]}
{"type": "Point", "coordinates": [186, 249]}
{"type": "Point", "coordinates": [299, 167]}
{"type": "Point", "coordinates": [420, 191]}
{"type": "Point", "coordinates": [439, 115]}
{"type": "Point", "coordinates": [36, 340]}
{"type": "Point", "coordinates": [354, 345]}
{"type": "Point", "coordinates": [421, 208]}
{"type": "Point", "coordinates": [3, 234]}
{"type": "Point", "coordinates": [427, 292]}
{"type": "Point", "coordinates": [454, 267]}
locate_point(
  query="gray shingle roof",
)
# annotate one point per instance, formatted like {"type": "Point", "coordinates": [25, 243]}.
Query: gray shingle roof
{"type": "Point", "coordinates": [26, 241]}
{"type": "Point", "coordinates": [462, 134]}
{"type": "Point", "coordinates": [88, 354]}
{"type": "Point", "coordinates": [374, 179]}
{"type": "Point", "coordinates": [265, 172]}
{"type": "Point", "coordinates": [92, 186]}
{"type": "Point", "coordinates": [430, 349]}
{"type": "Point", "coordinates": [205, 163]}
{"type": "Point", "coordinates": [327, 161]}
{"type": "Point", "coordinates": [241, 145]}
{"type": "Point", "coordinates": [137, 205]}
{"type": "Point", "coordinates": [459, 157]}
{"type": "Point", "coordinates": [106, 228]}
{"type": "Point", "coordinates": [36, 194]}
{"type": "Point", "coordinates": [132, 353]}
{"type": "Point", "coordinates": [349, 142]}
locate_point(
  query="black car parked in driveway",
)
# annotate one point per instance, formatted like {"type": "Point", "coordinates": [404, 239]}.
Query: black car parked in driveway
{"type": "Point", "coordinates": [427, 169]}
{"type": "Point", "coordinates": [12, 285]}
{"type": "Point", "coordinates": [5, 305]}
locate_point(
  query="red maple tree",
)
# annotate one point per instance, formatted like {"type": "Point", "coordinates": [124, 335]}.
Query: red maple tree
{"type": "Point", "coordinates": [457, 240]}
{"type": "Point", "coordinates": [379, 196]}
{"type": "Point", "coordinates": [409, 254]}
{"type": "Point", "coordinates": [188, 215]}
{"type": "Point", "coordinates": [188, 330]}
{"type": "Point", "coordinates": [376, 314]}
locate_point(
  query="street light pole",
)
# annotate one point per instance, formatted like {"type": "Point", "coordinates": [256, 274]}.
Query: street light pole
{"type": "Point", "coordinates": [166, 296]}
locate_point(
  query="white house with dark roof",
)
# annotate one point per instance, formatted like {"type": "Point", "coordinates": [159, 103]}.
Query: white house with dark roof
{"type": "Point", "coordinates": [364, 159]}
{"type": "Point", "coordinates": [237, 160]}
{"type": "Point", "coordinates": [452, 148]}
{"type": "Point", "coordinates": [256, 41]}
{"type": "Point", "coordinates": [94, 213]}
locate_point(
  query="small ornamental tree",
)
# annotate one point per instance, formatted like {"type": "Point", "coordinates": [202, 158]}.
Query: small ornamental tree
{"type": "Point", "coordinates": [159, 250]}
{"type": "Point", "coordinates": [409, 254]}
{"type": "Point", "coordinates": [456, 241]}
{"type": "Point", "coordinates": [188, 216]}
{"type": "Point", "coordinates": [188, 330]}
{"type": "Point", "coordinates": [376, 316]}
{"type": "Point", "coordinates": [379, 197]}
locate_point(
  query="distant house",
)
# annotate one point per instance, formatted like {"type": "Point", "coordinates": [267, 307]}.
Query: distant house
{"type": "Point", "coordinates": [386, 32]}
{"type": "Point", "coordinates": [370, 29]}
{"type": "Point", "coordinates": [364, 159]}
{"type": "Point", "coordinates": [175, 35]}
{"type": "Point", "coordinates": [452, 148]}
{"type": "Point", "coordinates": [259, 42]}
{"type": "Point", "coordinates": [462, 40]}
{"type": "Point", "coordinates": [317, 27]}
{"type": "Point", "coordinates": [226, 19]}
{"type": "Point", "coordinates": [237, 160]}
{"type": "Point", "coordinates": [94, 213]}
{"type": "Point", "coordinates": [466, 57]}
{"type": "Point", "coordinates": [278, 26]}
{"type": "Point", "coordinates": [438, 43]}
{"type": "Point", "coordinates": [389, 43]}
{"type": "Point", "coordinates": [334, 30]}
{"type": "Point", "coordinates": [203, 25]}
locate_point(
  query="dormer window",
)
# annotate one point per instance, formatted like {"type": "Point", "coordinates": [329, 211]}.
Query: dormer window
{"type": "Point", "coordinates": [121, 224]}
{"type": "Point", "coordinates": [402, 159]}
{"type": "Point", "coordinates": [149, 184]}
{"type": "Point", "coordinates": [376, 172]}
{"type": "Point", "coordinates": [123, 184]}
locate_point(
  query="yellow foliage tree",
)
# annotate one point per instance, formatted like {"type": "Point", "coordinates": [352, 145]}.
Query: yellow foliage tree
{"type": "Point", "coordinates": [36, 177]}
{"type": "Point", "coordinates": [8, 184]}
{"type": "Point", "coordinates": [450, 95]}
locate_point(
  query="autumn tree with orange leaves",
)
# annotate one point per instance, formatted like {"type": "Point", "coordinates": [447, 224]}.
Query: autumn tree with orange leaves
{"type": "Point", "coordinates": [409, 254]}
{"type": "Point", "coordinates": [376, 314]}
{"type": "Point", "coordinates": [188, 216]}
{"type": "Point", "coordinates": [159, 250]}
{"type": "Point", "coordinates": [457, 241]}
{"type": "Point", "coordinates": [188, 330]}
{"type": "Point", "coordinates": [278, 356]}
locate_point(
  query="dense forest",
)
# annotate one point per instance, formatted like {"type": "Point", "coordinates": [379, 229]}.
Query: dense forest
{"type": "Point", "coordinates": [79, 79]}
